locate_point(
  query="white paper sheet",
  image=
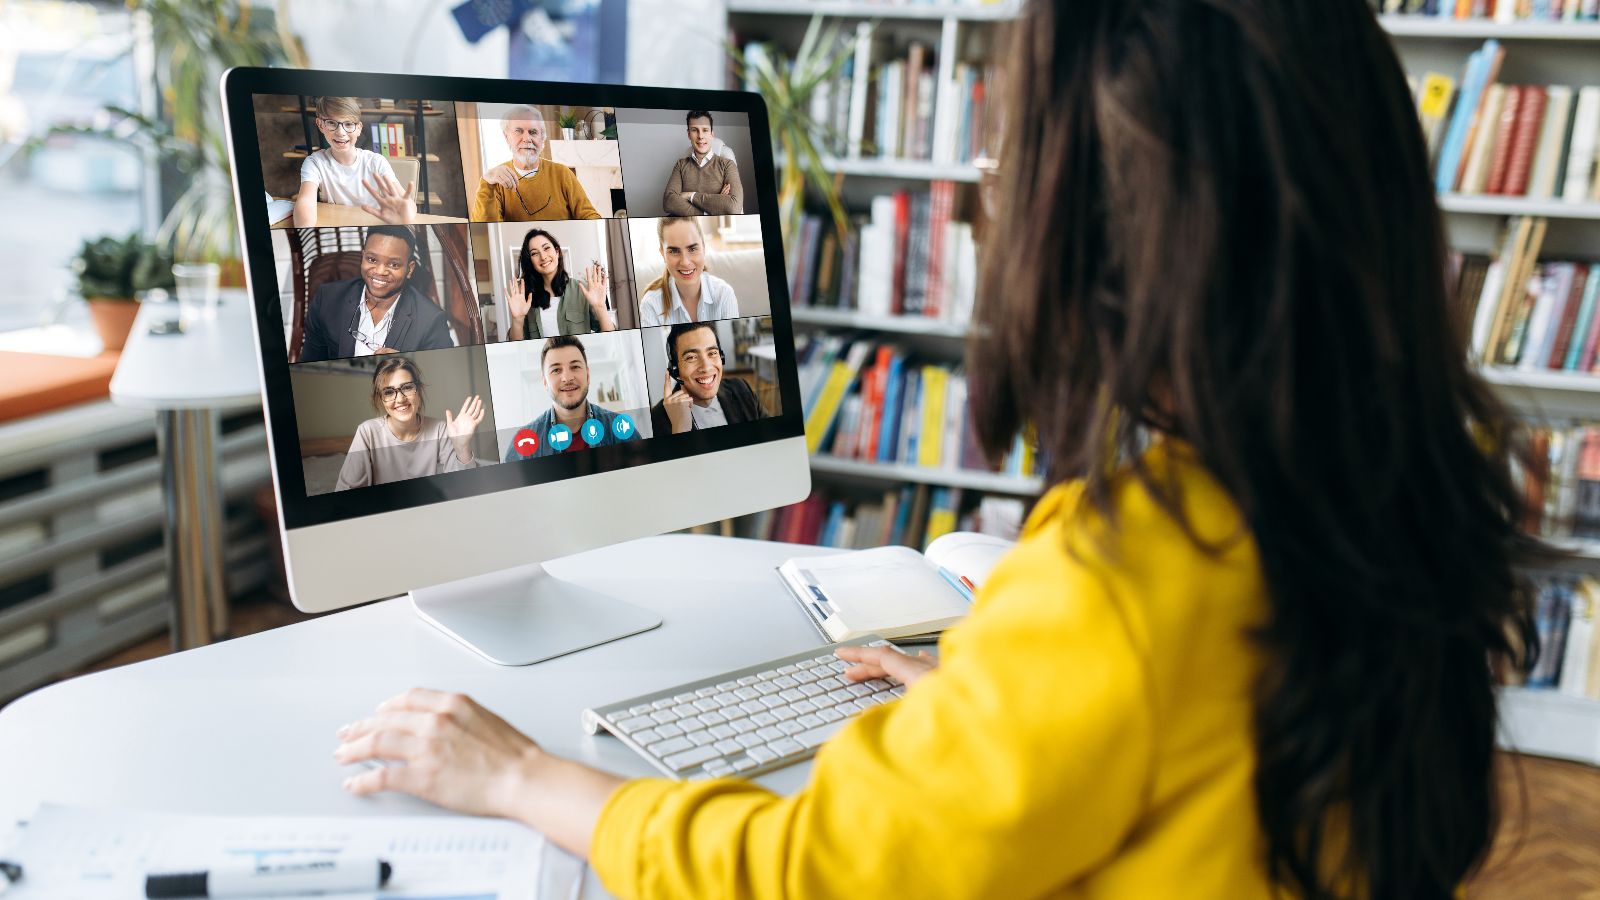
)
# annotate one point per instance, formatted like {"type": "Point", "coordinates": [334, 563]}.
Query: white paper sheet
{"type": "Point", "coordinates": [74, 853]}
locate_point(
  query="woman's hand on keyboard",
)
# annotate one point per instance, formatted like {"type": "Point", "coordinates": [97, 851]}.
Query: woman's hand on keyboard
{"type": "Point", "coordinates": [882, 662]}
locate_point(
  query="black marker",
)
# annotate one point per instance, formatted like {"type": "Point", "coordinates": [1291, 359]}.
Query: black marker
{"type": "Point", "coordinates": [322, 876]}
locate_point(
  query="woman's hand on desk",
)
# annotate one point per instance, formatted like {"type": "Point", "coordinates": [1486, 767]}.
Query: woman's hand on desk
{"type": "Point", "coordinates": [457, 754]}
{"type": "Point", "coordinates": [880, 662]}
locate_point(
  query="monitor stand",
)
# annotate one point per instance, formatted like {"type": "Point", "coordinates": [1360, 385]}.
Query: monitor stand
{"type": "Point", "coordinates": [524, 615]}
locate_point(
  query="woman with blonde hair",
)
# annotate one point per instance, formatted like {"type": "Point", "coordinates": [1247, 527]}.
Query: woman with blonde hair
{"type": "Point", "coordinates": [686, 291]}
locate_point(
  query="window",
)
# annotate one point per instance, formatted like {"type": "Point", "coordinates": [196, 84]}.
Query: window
{"type": "Point", "coordinates": [60, 64]}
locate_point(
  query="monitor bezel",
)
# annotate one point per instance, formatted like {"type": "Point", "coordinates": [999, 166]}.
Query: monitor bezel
{"type": "Point", "coordinates": [298, 510]}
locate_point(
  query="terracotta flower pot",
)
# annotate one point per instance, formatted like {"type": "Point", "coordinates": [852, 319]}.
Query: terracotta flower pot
{"type": "Point", "coordinates": [113, 319]}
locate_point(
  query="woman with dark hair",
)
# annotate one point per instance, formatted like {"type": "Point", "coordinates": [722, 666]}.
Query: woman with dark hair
{"type": "Point", "coordinates": [401, 442]}
{"type": "Point", "coordinates": [1244, 647]}
{"type": "Point", "coordinates": [541, 279]}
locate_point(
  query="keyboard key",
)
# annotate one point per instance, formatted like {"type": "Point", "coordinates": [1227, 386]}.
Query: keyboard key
{"type": "Point", "coordinates": [791, 727]}
{"type": "Point", "coordinates": [803, 706]}
{"type": "Point", "coordinates": [640, 709]}
{"type": "Point", "coordinates": [767, 687]}
{"type": "Point", "coordinates": [706, 704]}
{"type": "Point", "coordinates": [824, 659]}
{"type": "Point", "coordinates": [664, 716]}
{"type": "Point", "coordinates": [702, 738]}
{"type": "Point", "coordinates": [898, 690]}
{"type": "Point", "coordinates": [829, 714]}
{"type": "Point", "coordinates": [769, 733]}
{"type": "Point", "coordinates": [686, 710]}
{"type": "Point", "coordinates": [743, 725]}
{"type": "Point", "coordinates": [859, 690]}
{"type": "Point", "coordinates": [809, 720]}
{"type": "Point", "coordinates": [841, 695]}
{"type": "Point", "coordinates": [785, 681]}
{"type": "Point", "coordinates": [816, 736]}
{"type": "Point", "coordinates": [670, 746]}
{"type": "Point", "coordinates": [743, 764]}
{"type": "Point", "coordinates": [785, 670]}
{"type": "Point", "coordinates": [786, 747]}
{"type": "Point", "coordinates": [648, 736]}
{"type": "Point", "coordinates": [882, 698]}
{"type": "Point", "coordinates": [746, 693]}
{"type": "Point", "coordinates": [630, 725]}
{"type": "Point", "coordinates": [761, 754]}
{"type": "Point", "coordinates": [684, 697]}
{"type": "Point", "coordinates": [721, 731]}
{"type": "Point", "coordinates": [669, 730]}
{"type": "Point", "coordinates": [877, 684]}
{"type": "Point", "coordinates": [691, 724]}
{"type": "Point", "coordinates": [791, 695]}
{"type": "Point", "coordinates": [749, 680]}
{"type": "Point", "coordinates": [663, 703]}
{"type": "Point", "coordinates": [712, 718]}
{"type": "Point", "coordinates": [690, 758]}
{"type": "Point", "coordinates": [719, 768]}
{"type": "Point", "coordinates": [805, 676]}
{"type": "Point", "coordinates": [839, 665]}
{"type": "Point", "coordinates": [750, 740]}
{"type": "Point", "coordinates": [752, 706]}
{"type": "Point", "coordinates": [729, 747]}
{"type": "Point", "coordinates": [811, 690]}
{"type": "Point", "coordinates": [764, 718]}
{"type": "Point", "coordinates": [773, 701]}
{"type": "Point", "coordinates": [705, 691]}
{"type": "Point", "coordinates": [784, 713]}
{"type": "Point", "coordinates": [727, 685]}
{"type": "Point", "coordinates": [832, 682]}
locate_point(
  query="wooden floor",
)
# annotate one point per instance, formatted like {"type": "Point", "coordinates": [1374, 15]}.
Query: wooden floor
{"type": "Point", "coordinates": [1548, 846]}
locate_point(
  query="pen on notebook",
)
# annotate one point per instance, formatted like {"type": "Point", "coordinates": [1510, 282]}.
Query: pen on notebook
{"type": "Point", "coordinates": [240, 879]}
{"type": "Point", "coordinates": [961, 585]}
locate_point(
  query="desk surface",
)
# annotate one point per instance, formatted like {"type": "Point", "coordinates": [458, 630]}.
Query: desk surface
{"type": "Point", "coordinates": [334, 215]}
{"type": "Point", "coordinates": [211, 365]}
{"type": "Point", "coordinates": [246, 726]}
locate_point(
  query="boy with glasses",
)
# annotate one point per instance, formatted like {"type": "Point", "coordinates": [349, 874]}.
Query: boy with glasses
{"type": "Point", "coordinates": [345, 174]}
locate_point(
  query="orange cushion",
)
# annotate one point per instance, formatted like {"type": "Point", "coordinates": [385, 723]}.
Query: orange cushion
{"type": "Point", "coordinates": [32, 383]}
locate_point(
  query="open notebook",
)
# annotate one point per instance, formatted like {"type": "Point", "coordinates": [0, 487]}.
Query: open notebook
{"type": "Point", "coordinates": [894, 592]}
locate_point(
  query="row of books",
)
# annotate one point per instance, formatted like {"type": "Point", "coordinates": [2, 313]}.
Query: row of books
{"type": "Point", "coordinates": [390, 139]}
{"type": "Point", "coordinates": [1529, 314]}
{"type": "Point", "coordinates": [1527, 140]}
{"type": "Point", "coordinates": [1565, 607]}
{"type": "Point", "coordinates": [1504, 11]}
{"type": "Point", "coordinates": [1560, 484]}
{"type": "Point", "coordinates": [875, 402]}
{"type": "Point", "coordinates": [888, 101]}
{"type": "Point", "coordinates": [908, 515]}
{"type": "Point", "coordinates": [908, 256]}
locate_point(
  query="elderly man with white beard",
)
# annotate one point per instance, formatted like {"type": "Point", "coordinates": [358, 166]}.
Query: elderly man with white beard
{"type": "Point", "coordinates": [527, 188]}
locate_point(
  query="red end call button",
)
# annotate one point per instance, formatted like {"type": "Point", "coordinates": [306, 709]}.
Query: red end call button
{"type": "Point", "coordinates": [526, 442]}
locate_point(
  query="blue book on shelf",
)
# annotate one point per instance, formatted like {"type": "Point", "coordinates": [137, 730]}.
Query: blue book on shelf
{"type": "Point", "coordinates": [1455, 138]}
{"type": "Point", "coordinates": [889, 428]}
{"type": "Point", "coordinates": [1591, 295]}
{"type": "Point", "coordinates": [830, 531]}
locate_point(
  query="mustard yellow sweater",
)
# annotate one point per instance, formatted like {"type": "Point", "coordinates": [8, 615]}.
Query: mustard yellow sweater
{"type": "Point", "coordinates": [1087, 735]}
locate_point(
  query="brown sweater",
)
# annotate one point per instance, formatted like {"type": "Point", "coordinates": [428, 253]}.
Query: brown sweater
{"type": "Point", "coordinates": [706, 183]}
{"type": "Point", "coordinates": [549, 194]}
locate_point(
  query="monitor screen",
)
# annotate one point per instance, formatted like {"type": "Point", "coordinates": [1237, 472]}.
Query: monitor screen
{"type": "Point", "coordinates": [467, 285]}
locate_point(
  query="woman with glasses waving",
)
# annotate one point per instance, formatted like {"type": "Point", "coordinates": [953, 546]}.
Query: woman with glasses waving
{"type": "Point", "coordinates": [403, 443]}
{"type": "Point", "coordinates": [348, 175]}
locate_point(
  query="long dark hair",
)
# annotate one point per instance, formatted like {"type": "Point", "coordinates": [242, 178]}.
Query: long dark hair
{"type": "Point", "coordinates": [532, 281]}
{"type": "Point", "coordinates": [1218, 224]}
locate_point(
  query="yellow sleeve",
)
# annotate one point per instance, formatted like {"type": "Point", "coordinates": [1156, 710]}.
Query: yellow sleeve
{"type": "Point", "coordinates": [486, 206]}
{"type": "Point", "coordinates": [1021, 764]}
{"type": "Point", "coordinates": [577, 197]}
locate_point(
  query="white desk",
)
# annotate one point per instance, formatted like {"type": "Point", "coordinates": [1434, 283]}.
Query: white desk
{"type": "Point", "coordinates": [246, 726]}
{"type": "Point", "coordinates": [184, 377]}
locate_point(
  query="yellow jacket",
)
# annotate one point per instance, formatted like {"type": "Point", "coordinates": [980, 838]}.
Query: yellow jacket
{"type": "Point", "coordinates": [1086, 735]}
{"type": "Point", "coordinates": [551, 193]}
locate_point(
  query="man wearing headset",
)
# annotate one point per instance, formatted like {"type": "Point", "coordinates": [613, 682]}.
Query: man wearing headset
{"type": "Point", "coordinates": [695, 396]}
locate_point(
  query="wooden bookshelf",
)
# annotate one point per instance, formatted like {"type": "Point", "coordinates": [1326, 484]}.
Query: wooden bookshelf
{"type": "Point", "coordinates": [1490, 205]}
{"type": "Point", "coordinates": [1416, 26]}
{"type": "Point", "coordinates": [960, 12]}
{"type": "Point", "coordinates": [967, 479]}
{"type": "Point", "coordinates": [848, 318]}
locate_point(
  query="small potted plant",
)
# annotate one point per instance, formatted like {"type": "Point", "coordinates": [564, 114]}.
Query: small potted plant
{"type": "Point", "coordinates": [112, 272]}
{"type": "Point", "coordinates": [567, 121]}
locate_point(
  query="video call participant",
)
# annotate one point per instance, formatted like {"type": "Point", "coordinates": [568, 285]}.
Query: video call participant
{"type": "Point", "coordinates": [685, 292]}
{"type": "Point", "coordinates": [695, 396]}
{"type": "Point", "coordinates": [403, 443]}
{"type": "Point", "coordinates": [541, 277]}
{"type": "Point", "coordinates": [527, 188]}
{"type": "Point", "coordinates": [703, 183]}
{"type": "Point", "coordinates": [345, 174]}
{"type": "Point", "coordinates": [379, 312]}
{"type": "Point", "coordinates": [566, 376]}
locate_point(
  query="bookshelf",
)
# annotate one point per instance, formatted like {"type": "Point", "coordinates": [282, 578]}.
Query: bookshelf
{"type": "Point", "coordinates": [1541, 721]}
{"type": "Point", "coordinates": [950, 31]}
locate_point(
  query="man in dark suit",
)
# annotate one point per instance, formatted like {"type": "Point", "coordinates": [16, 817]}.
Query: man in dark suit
{"type": "Point", "coordinates": [695, 396]}
{"type": "Point", "coordinates": [380, 312]}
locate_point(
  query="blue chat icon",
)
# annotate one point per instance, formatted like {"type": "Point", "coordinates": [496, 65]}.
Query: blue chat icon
{"type": "Point", "coordinates": [560, 437]}
{"type": "Point", "coordinates": [622, 427]}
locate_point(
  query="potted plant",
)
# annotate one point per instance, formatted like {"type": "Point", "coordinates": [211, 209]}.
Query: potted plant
{"type": "Point", "coordinates": [567, 120]}
{"type": "Point", "coordinates": [112, 272]}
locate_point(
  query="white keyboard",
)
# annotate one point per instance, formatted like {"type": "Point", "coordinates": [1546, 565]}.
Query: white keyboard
{"type": "Point", "coordinates": [748, 721]}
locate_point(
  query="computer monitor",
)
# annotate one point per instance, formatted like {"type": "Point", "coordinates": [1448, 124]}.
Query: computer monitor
{"type": "Point", "coordinates": [501, 322]}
